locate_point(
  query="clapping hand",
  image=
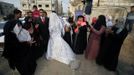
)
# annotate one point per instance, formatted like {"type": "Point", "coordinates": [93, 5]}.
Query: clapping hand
{"type": "Point", "coordinates": [31, 41]}
{"type": "Point", "coordinates": [36, 26]}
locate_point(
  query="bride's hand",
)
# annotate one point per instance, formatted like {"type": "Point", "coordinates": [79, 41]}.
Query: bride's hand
{"type": "Point", "coordinates": [31, 41]}
{"type": "Point", "coordinates": [67, 29]}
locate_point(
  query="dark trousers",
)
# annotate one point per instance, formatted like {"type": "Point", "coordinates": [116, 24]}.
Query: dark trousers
{"type": "Point", "coordinates": [129, 24]}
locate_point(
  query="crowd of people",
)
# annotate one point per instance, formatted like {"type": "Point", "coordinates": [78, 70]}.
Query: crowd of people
{"type": "Point", "coordinates": [26, 42]}
{"type": "Point", "coordinates": [55, 38]}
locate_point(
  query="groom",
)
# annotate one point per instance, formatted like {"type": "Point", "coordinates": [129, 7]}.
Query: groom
{"type": "Point", "coordinates": [43, 23]}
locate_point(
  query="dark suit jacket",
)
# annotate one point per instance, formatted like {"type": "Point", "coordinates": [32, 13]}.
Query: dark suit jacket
{"type": "Point", "coordinates": [43, 28]}
{"type": "Point", "coordinates": [44, 33]}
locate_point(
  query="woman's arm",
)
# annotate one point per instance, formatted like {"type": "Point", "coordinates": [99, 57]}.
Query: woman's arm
{"type": "Point", "coordinates": [98, 32]}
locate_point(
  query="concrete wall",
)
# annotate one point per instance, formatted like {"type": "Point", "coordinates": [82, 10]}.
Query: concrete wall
{"type": "Point", "coordinates": [115, 12]}
{"type": "Point", "coordinates": [114, 8]}
{"type": "Point", "coordinates": [47, 5]}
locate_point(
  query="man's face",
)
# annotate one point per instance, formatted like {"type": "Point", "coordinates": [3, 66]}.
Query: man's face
{"type": "Point", "coordinates": [19, 15]}
{"type": "Point", "coordinates": [29, 14]}
{"type": "Point", "coordinates": [34, 8]}
{"type": "Point", "coordinates": [132, 9]}
{"type": "Point", "coordinates": [41, 13]}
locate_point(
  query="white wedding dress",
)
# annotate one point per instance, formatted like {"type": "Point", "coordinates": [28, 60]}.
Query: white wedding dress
{"type": "Point", "coordinates": [58, 49]}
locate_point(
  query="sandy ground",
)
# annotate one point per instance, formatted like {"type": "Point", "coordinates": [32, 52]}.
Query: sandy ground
{"type": "Point", "coordinates": [54, 67]}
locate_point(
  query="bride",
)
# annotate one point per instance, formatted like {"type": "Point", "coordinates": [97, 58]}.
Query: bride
{"type": "Point", "coordinates": [58, 49]}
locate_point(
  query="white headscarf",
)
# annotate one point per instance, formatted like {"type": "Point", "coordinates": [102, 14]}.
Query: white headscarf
{"type": "Point", "coordinates": [22, 34]}
{"type": "Point", "coordinates": [120, 25]}
{"type": "Point", "coordinates": [109, 22]}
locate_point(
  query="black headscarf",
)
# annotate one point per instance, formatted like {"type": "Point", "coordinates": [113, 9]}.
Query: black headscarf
{"type": "Point", "coordinates": [80, 16]}
{"type": "Point", "coordinates": [28, 22]}
{"type": "Point", "coordinates": [101, 21]}
{"type": "Point", "coordinates": [70, 20]}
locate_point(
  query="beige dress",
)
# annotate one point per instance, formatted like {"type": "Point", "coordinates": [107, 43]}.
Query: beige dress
{"type": "Point", "coordinates": [127, 50]}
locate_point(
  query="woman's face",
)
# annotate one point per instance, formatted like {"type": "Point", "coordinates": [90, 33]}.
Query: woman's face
{"type": "Point", "coordinates": [80, 19]}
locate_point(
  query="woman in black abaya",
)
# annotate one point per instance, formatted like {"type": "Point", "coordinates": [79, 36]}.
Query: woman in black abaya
{"type": "Point", "coordinates": [110, 48]}
{"type": "Point", "coordinates": [80, 40]}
